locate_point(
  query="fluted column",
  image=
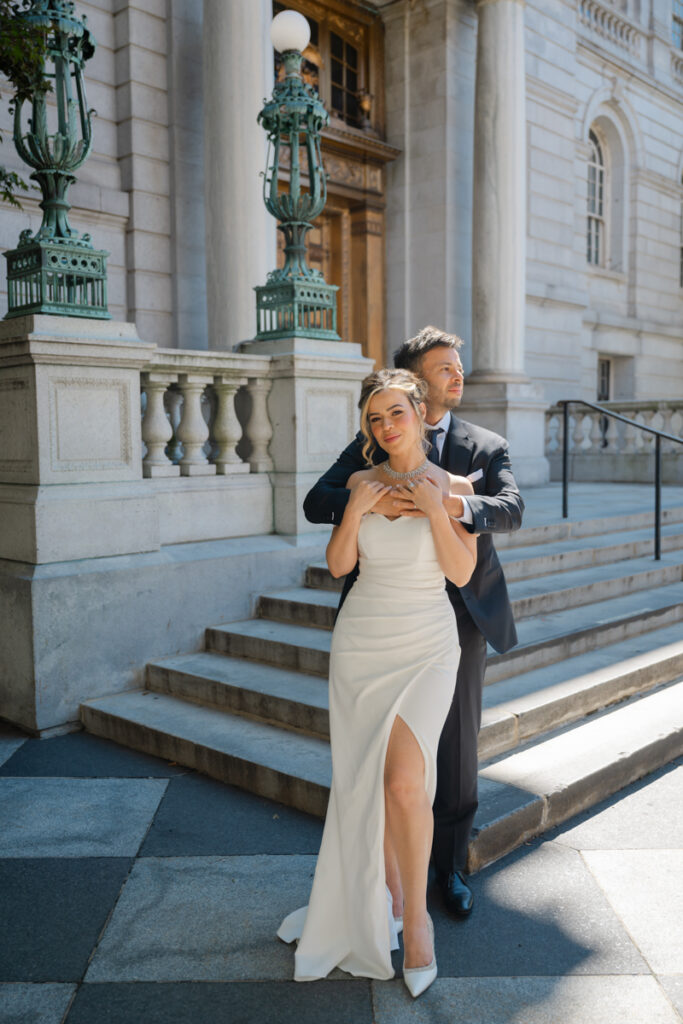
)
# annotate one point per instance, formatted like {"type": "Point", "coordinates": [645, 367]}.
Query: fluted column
{"type": "Point", "coordinates": [237, 72]}
{"type": "Point", "coordinates": [499, 213]}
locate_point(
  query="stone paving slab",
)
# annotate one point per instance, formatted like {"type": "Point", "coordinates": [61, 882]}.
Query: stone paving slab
{"type": "Point", "coordinates": [673, 986]}
{"type": "Point", "coordinates": [34, 1004]}
{"type": "Point", "coordinates": [203, 919]}
{"type": "Point", "coordinates": [526, 1000]}
{"type": "Point", "coordinates": [548, 916]}
{"type": "Point", "coordinates": [326, 1002]}
{"type": "Point", "coordinates": [80, 755]}
{"type": "Point", "coordinates": [644, 887]}
{"type": "Point", "coordinates": [641, 819]}
{"type": "Point", "coordinates": [76, 817]}
{"type": "Point", "coordinates": [52, 911]}
{"type": "Point", "coordinates": [232, 822]}
{"type": "Point", "coordinates": [10, 741]}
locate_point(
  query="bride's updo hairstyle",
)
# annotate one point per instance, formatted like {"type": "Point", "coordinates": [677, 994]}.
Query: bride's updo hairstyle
{"type": "Point", "coordinates": [413, 388]}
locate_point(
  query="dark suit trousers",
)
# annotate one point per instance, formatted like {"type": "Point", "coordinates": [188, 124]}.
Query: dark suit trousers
{"type": "Point", "coordinates": [455, 803]}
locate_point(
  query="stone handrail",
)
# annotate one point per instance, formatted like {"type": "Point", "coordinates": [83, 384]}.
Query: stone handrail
{"type": "Point", "coordinates": [591, 433]}
{"type": "Point", "coordinates": [199, 407]}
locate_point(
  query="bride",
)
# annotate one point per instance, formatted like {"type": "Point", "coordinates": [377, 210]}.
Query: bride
{"type": "Point", "coordinates": [393, 662]}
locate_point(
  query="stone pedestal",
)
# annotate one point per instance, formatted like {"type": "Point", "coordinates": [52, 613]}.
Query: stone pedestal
{"type": "Point", "coordinates": [498, 394]}
{"type": "Point", "coordinates": [313, 407]}
{"type": "Point", "coordinates": [515, 409]}
{"type": "Point", "coordinates": [70, 472]}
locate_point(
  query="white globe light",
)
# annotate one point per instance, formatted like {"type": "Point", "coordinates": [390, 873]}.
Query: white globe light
{"type": "Point", "coordinates": [290, 31]}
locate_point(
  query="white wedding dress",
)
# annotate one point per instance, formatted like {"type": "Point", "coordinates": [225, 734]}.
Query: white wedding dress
{"type": "Point", "coordinates": [394, 652]}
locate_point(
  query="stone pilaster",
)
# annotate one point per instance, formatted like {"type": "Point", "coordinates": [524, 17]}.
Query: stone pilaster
{"type": "Point", "coordinates": [240, 233]}
{"type": "Point", "coordinates": [498, 394]}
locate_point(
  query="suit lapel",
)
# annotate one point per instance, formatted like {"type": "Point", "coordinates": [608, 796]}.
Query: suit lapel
{"type": "Point", "coordinates": [457, 453]}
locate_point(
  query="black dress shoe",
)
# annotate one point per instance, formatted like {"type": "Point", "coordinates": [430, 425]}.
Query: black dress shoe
{"type": "Point", "coordinates": [457, 895]}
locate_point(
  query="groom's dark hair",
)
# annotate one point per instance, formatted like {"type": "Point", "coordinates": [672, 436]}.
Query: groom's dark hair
{"type": "Point", "coordinates": [409, 355]}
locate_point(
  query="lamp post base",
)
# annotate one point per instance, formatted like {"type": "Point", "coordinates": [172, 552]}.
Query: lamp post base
{"type": "Point", "coordinates": [296, 309]}
{"type": "Point", "coordinates": [58, 277]}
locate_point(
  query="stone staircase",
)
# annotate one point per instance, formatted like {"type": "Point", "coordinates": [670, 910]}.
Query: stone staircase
{"type": "Point", "coordinates": [590, 699]}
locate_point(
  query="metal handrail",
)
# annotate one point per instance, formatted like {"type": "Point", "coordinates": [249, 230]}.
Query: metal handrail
{"type": "Point", "coordinates": [659, 434]}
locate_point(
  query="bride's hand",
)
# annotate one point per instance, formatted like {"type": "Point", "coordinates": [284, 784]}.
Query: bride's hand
{"type": "Point", "coordinates": [365, 495]}
{"type": "Point", "coordinates": [425, 493]}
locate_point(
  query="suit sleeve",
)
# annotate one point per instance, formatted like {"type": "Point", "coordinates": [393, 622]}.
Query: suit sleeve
{"type": "Point", "coordinates": [500, 508]}
{"type": "Point", "coordinates": [326, 501]}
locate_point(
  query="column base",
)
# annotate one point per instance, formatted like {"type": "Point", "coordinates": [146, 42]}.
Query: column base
{"type": "Point", "coordinates": [514, 407]}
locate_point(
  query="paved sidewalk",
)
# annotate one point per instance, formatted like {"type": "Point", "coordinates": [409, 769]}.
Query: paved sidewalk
{"type": "Point", "coordinates": [135, 892]}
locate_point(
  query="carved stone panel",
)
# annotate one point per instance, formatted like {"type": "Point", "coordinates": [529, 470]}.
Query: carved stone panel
{"type": "Point", "coordinates": [17, 428]}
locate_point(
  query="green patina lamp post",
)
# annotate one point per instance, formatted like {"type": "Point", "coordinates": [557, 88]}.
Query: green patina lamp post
{"type": "Point", "coordinates": [56, 270]}
{"type": "Point", "coordinates": [296, 301]}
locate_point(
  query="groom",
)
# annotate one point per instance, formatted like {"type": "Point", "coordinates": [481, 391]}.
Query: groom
{"type": "Point", "coordinates": [482, 608]}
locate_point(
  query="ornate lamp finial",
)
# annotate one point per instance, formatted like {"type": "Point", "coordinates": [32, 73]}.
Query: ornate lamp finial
{"type": "Point", "coordinates": [56, 270]}
{"type": "Point", "coordinates": [296, 301]}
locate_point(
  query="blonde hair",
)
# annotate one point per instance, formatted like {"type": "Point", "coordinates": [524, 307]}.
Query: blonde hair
{"type": "Point", "coordinates": [411, 385]}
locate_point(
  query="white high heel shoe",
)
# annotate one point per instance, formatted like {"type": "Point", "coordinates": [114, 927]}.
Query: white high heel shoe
{"type": "Point", "coordinates": [417, 979]}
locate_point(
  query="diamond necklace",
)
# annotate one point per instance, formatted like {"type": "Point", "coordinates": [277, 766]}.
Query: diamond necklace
{"type": "Point", "coordinates": [395, 475]}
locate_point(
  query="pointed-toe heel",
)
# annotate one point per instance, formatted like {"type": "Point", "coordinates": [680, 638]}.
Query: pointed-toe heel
{"type": "Point", "coordinates": [418, 979]}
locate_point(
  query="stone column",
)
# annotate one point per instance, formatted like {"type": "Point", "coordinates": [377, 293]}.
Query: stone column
{"type": "Point", "coordinates": [240, 233]}
{"type": "Point", "coordinates": [498, 394]}
{"type": "Point", "coordinates": [499, 214]}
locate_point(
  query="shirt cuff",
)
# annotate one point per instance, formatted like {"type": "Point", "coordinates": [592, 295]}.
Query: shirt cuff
{"type": "Point", "coordinates": [466, 516]}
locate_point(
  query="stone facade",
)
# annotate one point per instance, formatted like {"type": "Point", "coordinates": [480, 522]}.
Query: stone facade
{"type": "Point", "coordinates": [589, 64]}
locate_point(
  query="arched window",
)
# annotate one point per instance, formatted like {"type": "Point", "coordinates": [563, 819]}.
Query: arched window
{"type": "Point", "coordinates": [596, 231]}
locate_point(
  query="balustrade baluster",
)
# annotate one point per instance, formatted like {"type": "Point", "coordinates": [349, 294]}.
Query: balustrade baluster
{"type": "Point", "coordinates": [595, 437]}
{"type": "Point", "coordinates": [577, 432]}
{"type": "Point", "coordinates": [156, 428]}
{"type": "Point", "coordinates": [258, 429]}
{"type": "Point", "coordinates": [227, 430]}
{"type": "Point", "coordinates": [173, 403]}
{"type": "Point", "coordinates": [193, 430]}
{"type": "Point", "coordinates": [611, 436]}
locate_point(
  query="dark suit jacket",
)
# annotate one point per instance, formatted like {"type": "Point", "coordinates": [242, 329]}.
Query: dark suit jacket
{"type": "Point", "coordinates": [496, 506]}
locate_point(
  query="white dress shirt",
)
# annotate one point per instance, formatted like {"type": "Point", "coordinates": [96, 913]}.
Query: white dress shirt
{"type": "Point", "coordinates": [443, 426]}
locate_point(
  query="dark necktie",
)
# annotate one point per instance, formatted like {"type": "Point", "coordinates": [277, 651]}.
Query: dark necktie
{"type": "Point", "coordinates": [433, 453]}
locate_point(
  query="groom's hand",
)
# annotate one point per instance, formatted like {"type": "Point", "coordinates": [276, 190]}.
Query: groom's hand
{"type": "Point", "coordinates": [392, 504]}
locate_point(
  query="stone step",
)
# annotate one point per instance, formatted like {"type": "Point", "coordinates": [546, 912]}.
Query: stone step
{"type": "Point", "coordinates": [575, 587]}
{"type": "Point", "coordinates": [525, 706]}
{"type": "Point", "coordinates": [543, 559]}
{"type": "Point", "coordinates": [521, 795]}
{"type": "Point", "coordinates": [293, 699]}
{"type": "Point", "coordinates": [515, 710]}
{"type": "Point", "coordinates": [543, 640]}
{"type": "Point", "coordinates": [552, 557]}
{"type": "Point", "coordinates": [549, 638]}
{"type": "Point", "coordinates": [566, 529]}
{"type": "Point", "coordinates": [276, 763]}
{"type": "Point", "coordinates": [528, 792]}
{"type": "Point", "coordinates": [317, 607]}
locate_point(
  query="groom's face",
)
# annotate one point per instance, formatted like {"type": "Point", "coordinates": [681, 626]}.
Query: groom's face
{"type": "Point", "coordinates": [442, 370]}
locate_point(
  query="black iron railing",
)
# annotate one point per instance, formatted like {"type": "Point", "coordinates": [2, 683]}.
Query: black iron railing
{"type": "Point", "coordinates": [659, 434]}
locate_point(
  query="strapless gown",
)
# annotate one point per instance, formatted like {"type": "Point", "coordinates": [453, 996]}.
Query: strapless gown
{"type": "Point", "coordinates": [394, 652]}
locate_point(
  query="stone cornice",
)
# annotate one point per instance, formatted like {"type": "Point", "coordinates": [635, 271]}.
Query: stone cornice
{"type": "Point", "coordinates": [354, 140]}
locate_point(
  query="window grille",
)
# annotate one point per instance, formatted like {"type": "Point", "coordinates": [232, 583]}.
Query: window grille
{"type": "Point", "coordinates": [595, 233]}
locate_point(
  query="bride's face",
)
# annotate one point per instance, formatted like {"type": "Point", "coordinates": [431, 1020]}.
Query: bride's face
{"type": "Point", "coordinates": [393, 421]}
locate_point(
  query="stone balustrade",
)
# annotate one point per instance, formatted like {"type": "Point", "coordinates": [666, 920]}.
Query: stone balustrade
{"type": "Point", "coordinates": [601, 18]}
{"type": "Point", "coordinates": [602, 448]}
{"type": "Point", "coordinates": [205, 414]}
